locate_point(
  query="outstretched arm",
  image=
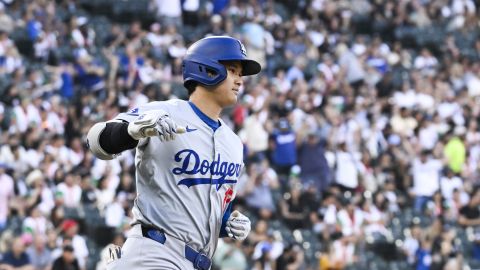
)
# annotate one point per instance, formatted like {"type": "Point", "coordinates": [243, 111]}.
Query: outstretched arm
{"type": "Point", "coordinates": [107, 139]}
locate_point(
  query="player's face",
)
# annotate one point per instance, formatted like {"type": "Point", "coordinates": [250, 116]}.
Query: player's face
{"type": "Point", "coordinates": [226, 93]}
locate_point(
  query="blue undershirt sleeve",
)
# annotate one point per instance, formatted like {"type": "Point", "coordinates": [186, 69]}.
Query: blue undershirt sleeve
{"type": "Point", "coordinates": [228, 212]}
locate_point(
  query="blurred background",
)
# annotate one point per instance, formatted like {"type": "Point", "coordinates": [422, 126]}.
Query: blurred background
{"type": "Point", "coordinates": [361, 134]}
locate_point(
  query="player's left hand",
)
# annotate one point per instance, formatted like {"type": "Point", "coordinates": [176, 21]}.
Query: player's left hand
{"type": "Point", "coordinates": [238, 226]}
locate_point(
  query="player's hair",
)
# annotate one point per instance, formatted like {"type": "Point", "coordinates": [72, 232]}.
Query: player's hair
{"type": "Point", "coordinates": [191, 85]}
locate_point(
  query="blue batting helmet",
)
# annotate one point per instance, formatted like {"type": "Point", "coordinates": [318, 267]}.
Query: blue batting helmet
{"type": "Point", "coordinates": [202, 62]}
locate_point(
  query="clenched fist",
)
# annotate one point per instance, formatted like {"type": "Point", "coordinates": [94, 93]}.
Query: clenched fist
{"type": "Point", "coordinates": [238, 226]}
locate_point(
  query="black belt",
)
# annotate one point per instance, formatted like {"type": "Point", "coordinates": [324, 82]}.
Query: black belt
{"type": "Point", "coordinates": [199, 260]}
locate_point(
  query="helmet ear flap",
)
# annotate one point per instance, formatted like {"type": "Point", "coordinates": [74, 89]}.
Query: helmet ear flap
{"type": "Point", "coordinates": [207, 74]}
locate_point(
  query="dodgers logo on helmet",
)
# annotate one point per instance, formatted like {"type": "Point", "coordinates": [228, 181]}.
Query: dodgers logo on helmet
{"type": "Point", "coordinates": [242, 48]}
{"type": "Point", "coordinates": [191, 164]}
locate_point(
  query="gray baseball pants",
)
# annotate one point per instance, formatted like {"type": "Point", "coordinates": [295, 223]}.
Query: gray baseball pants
{"type": "Point", "coordinates": [143, 253]}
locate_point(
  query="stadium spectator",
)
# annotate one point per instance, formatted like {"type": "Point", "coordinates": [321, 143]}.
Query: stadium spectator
{"type": "Point", "coordinates": [314, 169]}
{"type": "Point", "coordinates": [262, 180]}
{"type": "Point", "coordinates": [67, 260]}
{"type": "Point", "coordinates": [426, 177]}
{"type": "Point", "coordinates": [70, 231]}
{"type": "Point", "coordinates": [283, 148]}
{"type": "Point", "coordinates": [6, 193]}
{"type": "Point", "coordinates": [70, 191]}
{"type": "Point", "coordinates": [16, 258]}
{"type": "Point", "coordinates": [40, 256]}
{"type": "Point", "coordinates": [294, 210]}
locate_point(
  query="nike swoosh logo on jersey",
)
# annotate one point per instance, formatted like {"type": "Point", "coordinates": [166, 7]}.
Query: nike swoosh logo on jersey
{"type": "Point", "coordinates": [190, 129]}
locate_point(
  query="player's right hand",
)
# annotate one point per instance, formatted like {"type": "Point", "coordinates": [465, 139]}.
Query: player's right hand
{"type": "Point", "coordinates": [238, 226]}
{"type": "Point", "coordinates": [154, 123]}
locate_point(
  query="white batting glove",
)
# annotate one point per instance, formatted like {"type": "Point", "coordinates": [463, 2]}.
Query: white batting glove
{"type": "Point", "coordinates": [154, 123]}
{"type": "Point", "coordinates": [238, 226]}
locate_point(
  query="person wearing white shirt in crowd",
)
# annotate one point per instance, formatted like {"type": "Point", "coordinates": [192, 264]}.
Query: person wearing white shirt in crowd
{"type": "Point", "coordinates": [350, 130]}
{"type": "Point", "coordinates": [155, 36]}
{"type": "Point", "coordinates": [115, 213]}
{"type": "Point", "coordinates": [425, 61]}
{"type": "Point", "coordinates": [177, 49]}
{"type": "Point", "coordinates": [463, 7]}
{"type": "Point", "coordinates": [109, 167]}
{"type": "Point", "coordinates": [13, 60]}
{"type": "Point", "coordinates": [76, 151]}
{"type": "Point", "coordinates": [14, 155]}
{"type": "Point", "coordinates": [449, 107]}
{"type": "Point", "coordinates": [281, 82]}
{"type": "Point", "coordinates": [350, 218]}
{"type": "Point", "coordinates": [403, 123]}
{"type": "Point", "coordinates": [50, 121]}
{"type": "Point", "coordinates": [428, 135]}
{"type": "Point", "coordinates": [348, 167]}
{"type": "Point", "coordinates": [36, 223]}
{"type": "Point", "coordinates": [343, 252]}
{"type": "Point", "coordinates": [46, 41]}
{"type": "Point", "coordinates": [412, 242]}
{"type": "Point", "coordinates": [26, 114]}
{"type": "Point", "coordinates": [449, 182]}
{"type": "Point", "coordinates": [328, 68]}
{"type": "Point", "coordinates": [59, 150]}
{"type": "Point", "coordinates": [350, 64]}
{"type": "Point", "coordinates": [71, 191]}
{"type": "Point", "coordinates": [168, 12]}
{"type": "Point", "coordinates": [254, 134]}
{"type": "Point", "coordinates": [328, 210]}
{"type": "Point", "coordinates": [6, 194]}
{"type": "Point", "coordinates": [104, 195]}
{"type": "Point", "coordinates": [426, 179]}
{"type": "Point", "coordinates": [41, 195]}
{"type": "Point", "coordinates": [424, 99]}
{"type": "Point", "coordinates": [374, 218]}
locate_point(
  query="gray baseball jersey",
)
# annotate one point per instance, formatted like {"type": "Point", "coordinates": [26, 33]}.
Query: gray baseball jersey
{"type": "Point", "coordinates": [184, 186]}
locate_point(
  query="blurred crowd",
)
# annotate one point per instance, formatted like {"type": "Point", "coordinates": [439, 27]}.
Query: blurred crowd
{"type": "Point", "coordinates": [361, 134]}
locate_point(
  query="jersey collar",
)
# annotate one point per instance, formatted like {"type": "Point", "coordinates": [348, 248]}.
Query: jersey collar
{"type": "Point", "coordinates": [213, 124]}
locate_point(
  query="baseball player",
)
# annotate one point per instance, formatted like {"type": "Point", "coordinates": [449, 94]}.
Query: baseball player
{"type": "Point", "coordinates": [187, 161]}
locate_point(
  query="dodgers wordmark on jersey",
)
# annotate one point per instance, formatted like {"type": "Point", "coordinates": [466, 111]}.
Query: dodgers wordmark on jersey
{"type": "Point", "coordinates": [184, 186]}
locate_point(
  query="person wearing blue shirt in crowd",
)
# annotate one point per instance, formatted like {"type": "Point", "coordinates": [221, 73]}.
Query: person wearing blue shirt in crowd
{"type": "Point", "coordinates": [17, 258]}
{"type": "Point", "coordinates": [283, 147]}
{"type": "Point", "coordinates": [314, 167]}
{"type": "Point", "coordinates": [89, 74]}
{"type": "Point", "coordinates": [66, 90]}
{"type": "Point", "coordinates": [424, 255]}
